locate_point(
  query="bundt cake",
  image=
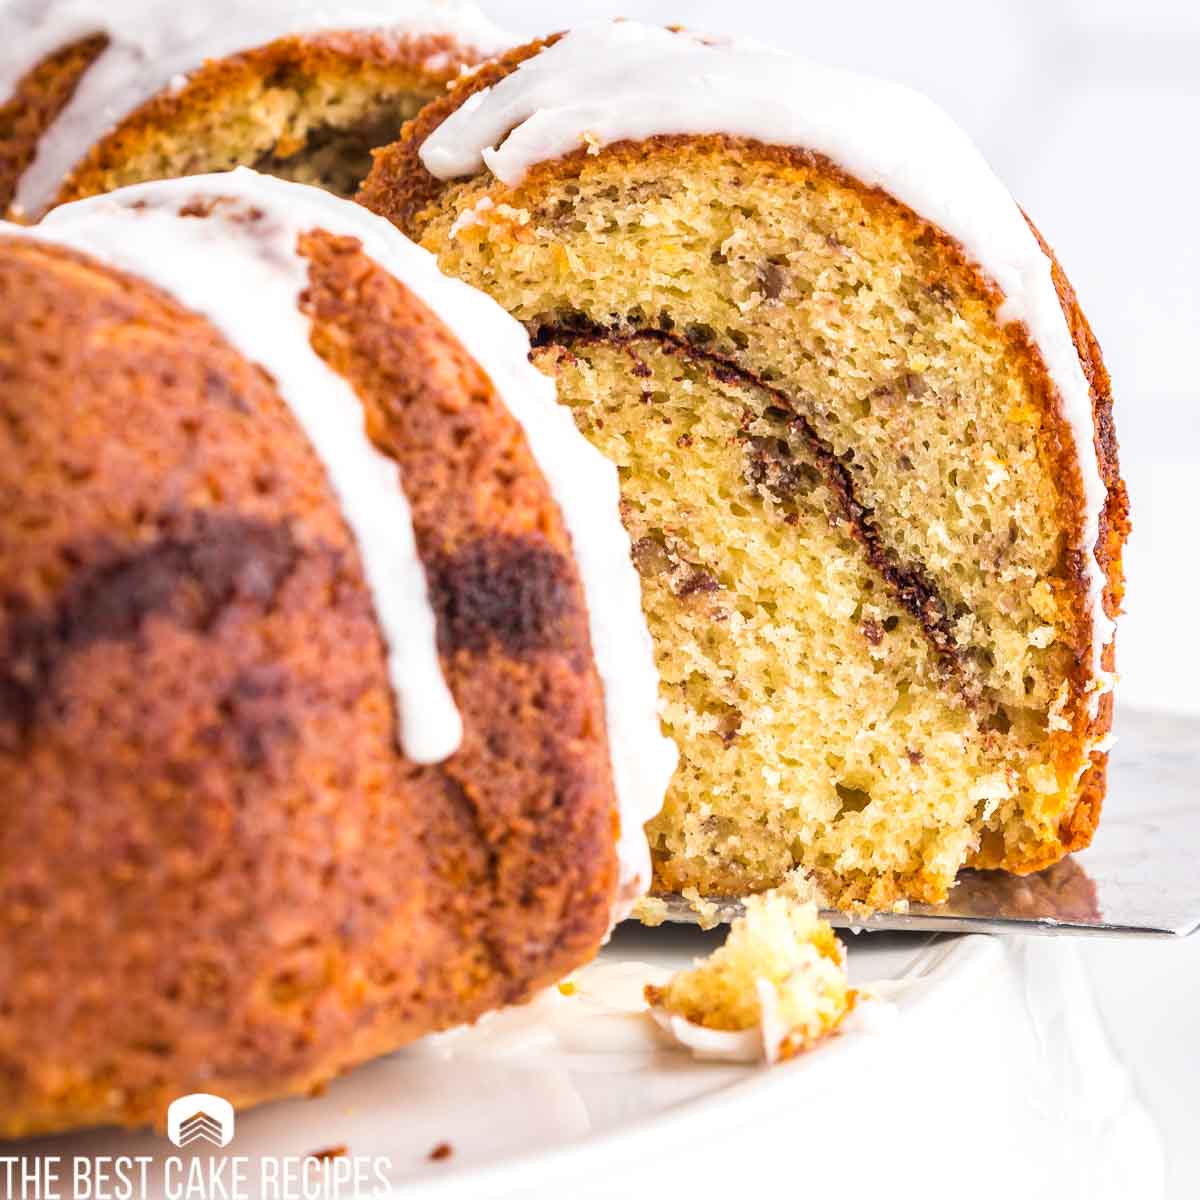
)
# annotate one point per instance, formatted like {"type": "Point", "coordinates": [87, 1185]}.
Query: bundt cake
{"type": "Point", "coordinates": [299, 764]}
{"type": "Point", "coordinates": [99, 96]}
{"type": "Point", "coordinates": [863, 430]}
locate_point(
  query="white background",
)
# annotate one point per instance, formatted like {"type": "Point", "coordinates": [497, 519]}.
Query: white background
{"type": "Point", "coordinates": [1090, 111]}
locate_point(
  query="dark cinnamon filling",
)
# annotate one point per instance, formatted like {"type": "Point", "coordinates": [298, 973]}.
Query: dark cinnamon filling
{"type": "Point", "coordinates": [514, 592]}
{"type": "Point", "coordinates": [774, 466]}
{"type": "Point", "coordinates": [191, 577]}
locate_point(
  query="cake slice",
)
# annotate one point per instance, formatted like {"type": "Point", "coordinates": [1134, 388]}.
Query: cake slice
{"type": "Point", "coordinates": [327, 707]}
{"type": "Point", "coordinates": [95, 97]}
{"type": "Point", "coordinates": [864, 435]}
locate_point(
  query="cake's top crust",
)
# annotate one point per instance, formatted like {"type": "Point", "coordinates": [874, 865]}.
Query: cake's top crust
{"type": "Point", "coordinates": [244, 272]}
{"type": "Point", "coordinates": [626, 82]}
{"type": "Point", "coordinates": [241, 267]}
{"type": "Point", "coordinates": [154, 44]}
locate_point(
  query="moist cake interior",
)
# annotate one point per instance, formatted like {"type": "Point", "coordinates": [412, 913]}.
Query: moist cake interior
{"type": "Point", "coordinates": [853, 544]}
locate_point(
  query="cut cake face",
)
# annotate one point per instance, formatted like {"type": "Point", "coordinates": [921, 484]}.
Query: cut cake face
{"type": "Point", "coordinates": [864, 437]}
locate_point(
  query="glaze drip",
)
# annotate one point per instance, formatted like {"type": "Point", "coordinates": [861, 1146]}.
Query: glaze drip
{"type": "Point", "coordinates": [623, 81]}
{"type": "Point", "coordinates": [135, 227]}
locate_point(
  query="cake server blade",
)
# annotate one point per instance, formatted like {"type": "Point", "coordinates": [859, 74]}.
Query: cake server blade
{"type": "Point", "coordinates": [1140, 876]}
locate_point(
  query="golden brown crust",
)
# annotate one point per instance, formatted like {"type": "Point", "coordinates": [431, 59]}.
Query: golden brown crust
{"type": "Point", "coordinates": [1079, 824]}
{"type": "Point", "coordinates": [374, 60]}
{"type": "Point", "coordinates": [223, 874]}
{"type": "Point", "coordinates": [380, 61]}
{"type": "Point", "coordinates": [400, 188]}
{"type": "Point", "coordinates": [32, 108]}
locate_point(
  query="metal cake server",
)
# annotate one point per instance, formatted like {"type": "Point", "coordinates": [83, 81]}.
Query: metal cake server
{"type": "Point", "coordinates": [1141, 875]}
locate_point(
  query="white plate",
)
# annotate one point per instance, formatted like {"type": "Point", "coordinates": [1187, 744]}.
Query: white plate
{"type": "Point", "coordinates": [538, 1094]}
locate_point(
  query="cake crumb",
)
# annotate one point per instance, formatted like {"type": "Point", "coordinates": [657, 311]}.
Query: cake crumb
{"type": "Point", "coordinates": [708, 914]}
{"type": "Point", "coordinates": [328, 1153]}
{"type": "Point", "coordinates": [567, 988]}
{"type": "Point", "coordinates": [650, 910]}
{"type": "Point", "coordinates": [441, 1152]}
{"type": "Point", "coordinates": [776, 987]}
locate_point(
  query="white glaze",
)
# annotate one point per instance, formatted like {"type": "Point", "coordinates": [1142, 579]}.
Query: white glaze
{"type": "Point", "coordinates": [620, 81]}
{"type": "Point", "coordinates": [246, 277]}
{"type": "Point", "coordinates": [154, 44]}
{"type": "Point", "coordinates": [582, 481]}
{"type": "Point", "coordinates": [760, 1043]}
{"type": "Point", "coordinates": [712, 1045]}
